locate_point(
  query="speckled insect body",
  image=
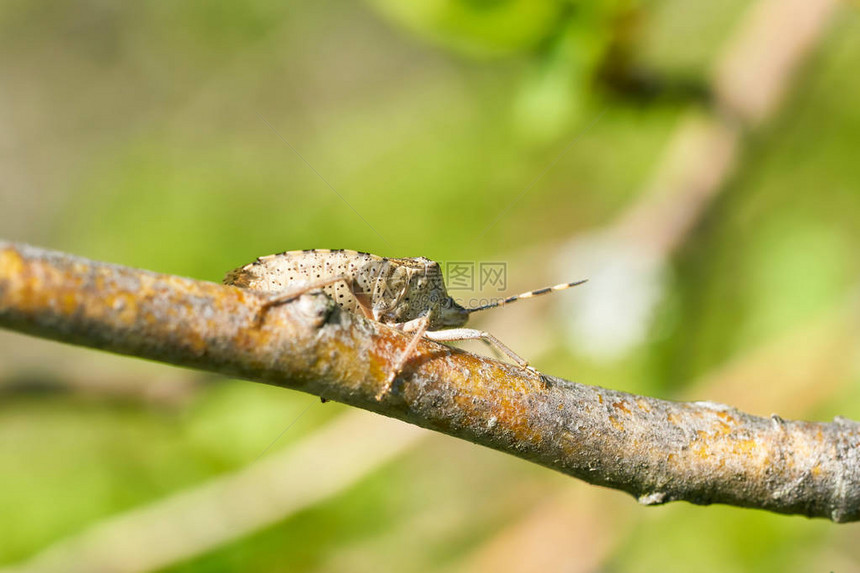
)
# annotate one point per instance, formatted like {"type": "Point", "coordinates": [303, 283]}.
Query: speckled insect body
{"type": "Point", "coordinates": [391, 291]}
{"type": "Point", "coordinates": [407, 293]}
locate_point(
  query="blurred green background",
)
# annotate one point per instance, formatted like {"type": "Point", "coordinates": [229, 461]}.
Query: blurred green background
{"type": "Point", "coordinates": [159, 135]}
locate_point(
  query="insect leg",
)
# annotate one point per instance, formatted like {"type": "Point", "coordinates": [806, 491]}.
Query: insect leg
{"type": "Point", "coordinates": [494, 349]}
{"type": "Point", "coordinates": [418, 327]}
{"type": "Point", "coordinates": [472, 334]}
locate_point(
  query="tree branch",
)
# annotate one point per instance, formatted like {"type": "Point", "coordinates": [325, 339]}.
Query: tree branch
{"type": "Point", "coordinates": [656, 450]}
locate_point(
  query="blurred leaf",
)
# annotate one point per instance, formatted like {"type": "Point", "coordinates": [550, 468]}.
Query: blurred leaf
{"type": "Point", "coordinates": [480, 28]}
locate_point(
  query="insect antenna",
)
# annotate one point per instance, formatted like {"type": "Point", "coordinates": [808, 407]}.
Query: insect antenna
{"type": "Point", "coordinates": [529, 294]}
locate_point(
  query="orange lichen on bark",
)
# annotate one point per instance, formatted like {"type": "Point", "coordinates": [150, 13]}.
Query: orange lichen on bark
{"type": "Point", "coordinates": [658, 451]}
{"type": "Point", "coordinates": [621, 406]}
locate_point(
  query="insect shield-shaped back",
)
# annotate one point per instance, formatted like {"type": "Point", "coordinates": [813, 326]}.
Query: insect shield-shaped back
{"type": "Point", "coordinates": [400, 290]}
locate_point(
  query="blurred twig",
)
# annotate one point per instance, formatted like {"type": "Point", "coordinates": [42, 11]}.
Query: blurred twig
{"type": "Point", "coordinates": [187, 524]}
{"type": "Point", "coordinates": [751, 76]}
{"type": "Point", "coordinates": [630, 257]}
{"type": "Point", "coordinates": [103, 381]}
{"type": "Point", "coordinates": [657, 450]}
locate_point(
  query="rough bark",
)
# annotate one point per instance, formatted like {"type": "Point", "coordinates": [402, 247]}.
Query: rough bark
{"type": "Point", "coordinates": [656, 450]}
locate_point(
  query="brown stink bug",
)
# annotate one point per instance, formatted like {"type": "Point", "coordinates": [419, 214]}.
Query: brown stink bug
{"type": "Point", "coordinates": [408, 294]}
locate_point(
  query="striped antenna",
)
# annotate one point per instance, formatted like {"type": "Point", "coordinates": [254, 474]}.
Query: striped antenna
{"type": "Point", "coordinates": [529, 294]}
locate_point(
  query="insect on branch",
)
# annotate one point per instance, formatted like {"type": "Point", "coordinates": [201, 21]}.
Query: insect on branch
{"type": "Point", "coordinates": [656, 450]}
